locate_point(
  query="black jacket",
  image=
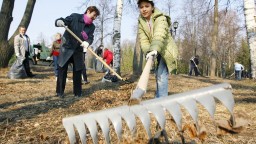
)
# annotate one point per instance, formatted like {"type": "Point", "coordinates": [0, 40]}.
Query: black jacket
{"type": "Point", "coordinates": [70, 46]}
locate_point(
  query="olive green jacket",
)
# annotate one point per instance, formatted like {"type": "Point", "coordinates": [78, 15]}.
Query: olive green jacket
{"type": "Point", "coordinates": [160, 39]}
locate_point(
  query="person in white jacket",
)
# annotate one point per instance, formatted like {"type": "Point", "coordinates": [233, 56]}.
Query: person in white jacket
{"type": "Point", "coordinates": [22, 49]}
{"type": "Point", "coordinates": [238, 70]}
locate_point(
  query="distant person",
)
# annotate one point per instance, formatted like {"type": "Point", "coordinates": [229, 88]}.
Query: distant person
{"type": "Point", "coordinates": [99, 50]}
{"type": "Point", "coordinates": [108, 56]}
{"type": "Point", "coordinates": [97, 64]}
{"type": "Point", "coordinates": [71, 51]}
{"type": "Point", "coordinates": [223, 69]}
{"type": "Point", "coordinates": [56, 52]}
{"type": "Point", "coordinates": [156, 41]}
{"type": "Point", "coordinates": [37, 50]}
{"type": "Point", "coordinates": [194, 61]}
{"type": "Point", "coordinates": [238, 70]}
{"type": "Point", "coordinates": [22, 49]}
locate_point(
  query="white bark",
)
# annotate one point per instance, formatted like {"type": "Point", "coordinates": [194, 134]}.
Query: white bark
{"type": "Point", "coordinates": [117, 36]}
{"type": "Point", "coordinates": [249, 12]}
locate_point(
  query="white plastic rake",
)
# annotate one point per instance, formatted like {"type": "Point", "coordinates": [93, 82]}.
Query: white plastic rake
{"type": "Point", "coordinates": [172, 104]}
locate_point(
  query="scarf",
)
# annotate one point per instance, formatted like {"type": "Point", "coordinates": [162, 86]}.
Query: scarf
{"type": "Point", "coordinates": [87, 20]}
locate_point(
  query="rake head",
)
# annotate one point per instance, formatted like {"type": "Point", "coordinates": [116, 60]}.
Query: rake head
{"type": "Point", "coordinates": [171, 104]}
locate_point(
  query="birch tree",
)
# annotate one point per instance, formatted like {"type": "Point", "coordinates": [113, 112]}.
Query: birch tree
{"type": "Point", "coordinates": [6, 45]}
{"type": "Point", "coordinates": [117, 36]}
{"type": "Point", "coordinates": [249, 12]}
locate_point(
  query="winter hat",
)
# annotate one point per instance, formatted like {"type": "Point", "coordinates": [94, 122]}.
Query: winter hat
{"type": "Point", "coordinates": [150, 1]}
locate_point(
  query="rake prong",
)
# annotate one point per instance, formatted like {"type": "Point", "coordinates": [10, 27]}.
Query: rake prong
{"type": "Point", "coordinates": [91, 124]}
{"type": "Point", "coordinates": [142, 113]}
{"type": "Point", "coordinates": [158, 112]}
{"type": "Point", "coordinates": [68, 125]}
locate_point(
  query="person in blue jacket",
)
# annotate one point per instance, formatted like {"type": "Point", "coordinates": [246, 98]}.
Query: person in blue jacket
{"type": "Point", "coordinates": [71, 51]}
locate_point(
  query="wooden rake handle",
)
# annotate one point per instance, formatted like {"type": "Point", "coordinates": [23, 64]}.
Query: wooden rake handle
{"type": "Point", "coordinates": [99, 58]}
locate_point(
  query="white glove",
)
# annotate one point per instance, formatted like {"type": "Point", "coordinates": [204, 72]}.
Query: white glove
{"type": "Point", "coordinates": [152, 53]}
{"type": "Point", "coordinates": [60, 23]}
{"type": "Point", "coordinates": [18, 54]}
{"type": "Point", "coordinates": [85, 45]}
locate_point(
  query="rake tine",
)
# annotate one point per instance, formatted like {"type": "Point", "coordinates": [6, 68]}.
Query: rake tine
{"type": "Point", "coordinates": [78, 123]}
{"type": "Point", "coordinates": [174, 109]}
{"type": "Point", "coordinates": [68, 125]}
{"type": "Point", "coordinates": [116, 120]}
{"type": "Point", "coordinates": [143, 115]}
{"type": "Point", "coordinates": [102, 120]}
{"type": "Point", "coordinates": [129, 118]}
{"type": "Point", "coordinates": [158, 112]}
{"type": "Point", "coordinates": [91, 124]}
{"type": "Point", "coordinates": [208, 103]}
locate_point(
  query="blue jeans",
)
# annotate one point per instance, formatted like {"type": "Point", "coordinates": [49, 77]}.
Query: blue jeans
{"type": "Point", "coordinates": [162, 76]}
{"type": "Point", "coordinates": [55, 61]}
{"type": "Point", "coordinates": [238, 74]}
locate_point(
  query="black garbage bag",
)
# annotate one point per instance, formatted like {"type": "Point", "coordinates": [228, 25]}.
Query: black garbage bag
{"type": "Point", "coordinates": [17, 71]}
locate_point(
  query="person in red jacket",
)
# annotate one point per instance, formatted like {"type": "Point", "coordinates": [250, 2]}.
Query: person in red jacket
{"type": "Point", "coordinates": [108, 56]}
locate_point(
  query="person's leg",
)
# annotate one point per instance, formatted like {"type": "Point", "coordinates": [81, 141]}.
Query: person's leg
{"type": "Point", "coordinates": [162, 75]}
{"type": "Point", "coordinates": [26, 65]}
{"type": "Point", "coordinates": [84, 74]}
{"type": "Point", "coordinates": [190, 69]}
{"type": "Point", "coordinates": [196, 71]}
{"type": "Point", "coordinates": [61, 80]}
{"type": "Point", "coordinates": [55, 60]}
{"type": "Point", "coordinates": [239, 75]}
{"type": "Point", "coordinates": [236, 75]}
{"type": "Point", "coordinates": [77, 84]}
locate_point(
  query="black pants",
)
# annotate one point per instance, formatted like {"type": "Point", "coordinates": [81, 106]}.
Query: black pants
{"type": "Point", "coordinates": [193, 68]}
{"type": "Point", "coordinates": [62, 76]}
{"type": "Point", "coordinates": [84, 70]}
{"type": "Point", "coordinates": [26, 64]}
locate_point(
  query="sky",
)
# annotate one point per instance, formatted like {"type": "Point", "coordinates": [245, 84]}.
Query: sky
{"type": "Point", "coordinates": [44, 15]}
{"type": "Point", "coordinates": [47, 11]}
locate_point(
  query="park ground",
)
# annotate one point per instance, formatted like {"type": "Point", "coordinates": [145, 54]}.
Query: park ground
{"type": "Point", "coordinates": [30, 112]}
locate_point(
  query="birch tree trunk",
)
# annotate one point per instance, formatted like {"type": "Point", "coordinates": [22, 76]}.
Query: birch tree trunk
{"type": "Point", "coordinates": [214, 40]}
{"type": "Point", "coordinates": [249, 12]}
{"type": "Point", "coordinates": [117, 36]}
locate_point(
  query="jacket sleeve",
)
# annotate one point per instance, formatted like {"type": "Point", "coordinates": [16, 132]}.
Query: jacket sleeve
{"type": "Point", "coordinates": [144, 40]}
{"type": "Point", "coordinates": [17, 45]}
{"type": "Point", "coordinates": [161, 28]}
{"type": "Point", "coordinates": [67, 21]}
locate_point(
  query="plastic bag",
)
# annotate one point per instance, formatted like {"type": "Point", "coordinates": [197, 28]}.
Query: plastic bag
{"type": "Point", "coordinates": [17, 71]}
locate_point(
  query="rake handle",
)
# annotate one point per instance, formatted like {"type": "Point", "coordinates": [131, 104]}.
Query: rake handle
{"type": "Point", "coordinates": [99, 58]}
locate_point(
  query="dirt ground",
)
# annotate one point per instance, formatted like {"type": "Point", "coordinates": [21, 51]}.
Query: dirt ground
{"type": "Point", "coordinates": [30, 112]}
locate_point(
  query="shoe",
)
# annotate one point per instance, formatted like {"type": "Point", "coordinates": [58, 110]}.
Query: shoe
{"type": "Point", "coordinates": [105, 80]}
{"type": "Point", "coordinates": [31, 75]}
{"type": "Point", "coordinates": [79, 95]}
{"type": "Point", "coordinates": [60, 95]}
{"type": "Point", "coordinates": [85, 82]}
